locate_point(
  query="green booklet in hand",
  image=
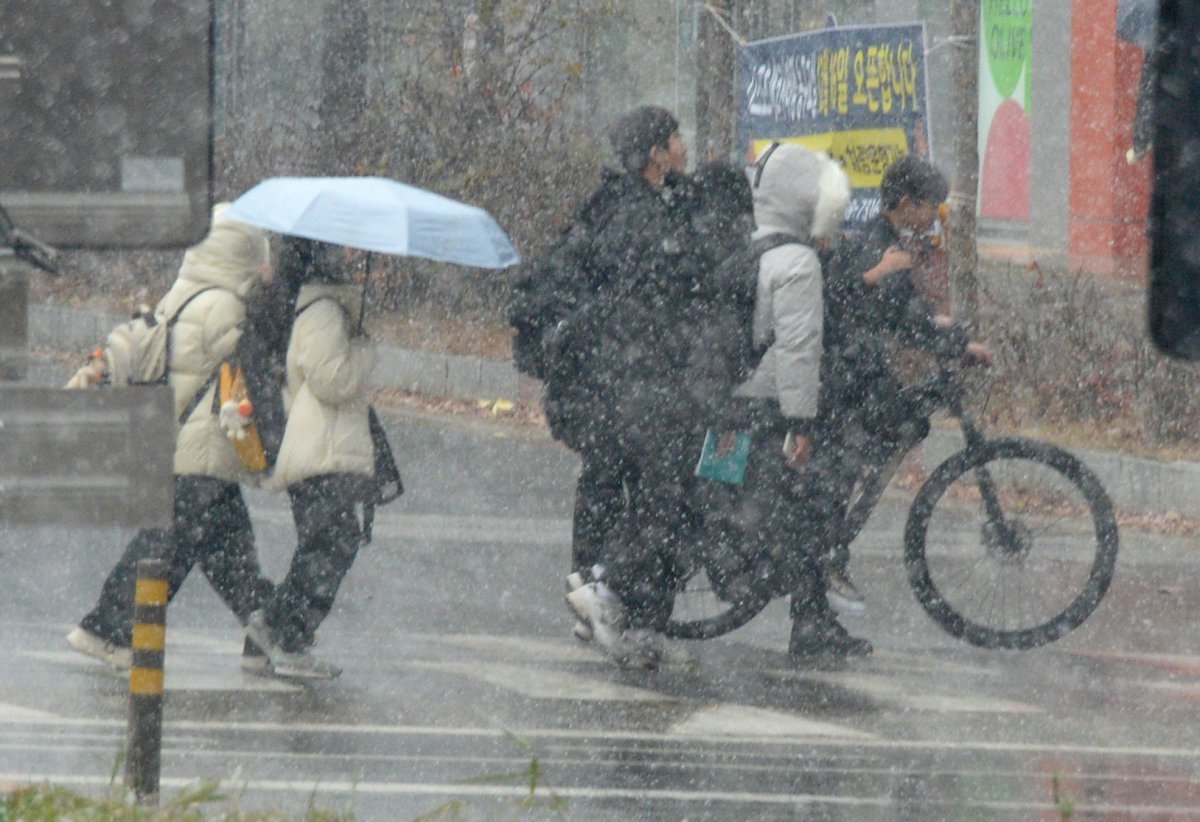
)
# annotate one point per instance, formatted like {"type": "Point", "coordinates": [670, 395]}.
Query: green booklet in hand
{"type": "Point", "coordinates": [724, 456]}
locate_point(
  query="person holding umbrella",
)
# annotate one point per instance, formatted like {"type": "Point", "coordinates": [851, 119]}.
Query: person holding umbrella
{"type": "Point", "coordinates": [326, 458]}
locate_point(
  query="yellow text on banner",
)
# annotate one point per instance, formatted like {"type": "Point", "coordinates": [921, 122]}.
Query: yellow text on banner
{"type": "Point", "coordinates": [864, 153]}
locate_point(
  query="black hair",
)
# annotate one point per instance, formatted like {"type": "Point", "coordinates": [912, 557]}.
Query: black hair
{"type": "Point", "coordinates": [722, 186]}
{"type": "Point", "coordinates": [637, 132]}
{"type": "Point", "coordinates": [915, 178]}
{"type": "Point", "coordinates": [722, 208]}
{"type": "Point", "coordinates": [271, 310]}
{"type": "Point", "coordinates": [302, 260]}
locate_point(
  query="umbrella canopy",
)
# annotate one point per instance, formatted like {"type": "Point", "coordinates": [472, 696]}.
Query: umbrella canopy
{"type": "Point", "coordinates": [376, 214]}
{"type": "Point", "coordinates": [1137, 21]}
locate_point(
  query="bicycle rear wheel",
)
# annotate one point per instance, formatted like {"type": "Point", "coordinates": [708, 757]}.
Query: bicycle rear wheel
{"type": "Point", "coordinates": [725, 589]}
{"type": "Point", "coordinates": [1011, 545]}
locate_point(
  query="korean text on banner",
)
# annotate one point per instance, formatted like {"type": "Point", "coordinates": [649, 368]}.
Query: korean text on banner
{"type": "Point", "coordinates": [857, 93]}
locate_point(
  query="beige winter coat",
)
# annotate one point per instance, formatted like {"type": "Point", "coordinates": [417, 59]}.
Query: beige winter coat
{"type": "Point", "coordinates": [327, 369]}
{"type": "Point", "coordinates": [231, 257]}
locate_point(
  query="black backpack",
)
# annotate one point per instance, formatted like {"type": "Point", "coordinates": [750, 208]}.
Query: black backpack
{"type": "Point", "coordinates": [544, 291]}
{"type": "Point", "coordinates": [725, 354]}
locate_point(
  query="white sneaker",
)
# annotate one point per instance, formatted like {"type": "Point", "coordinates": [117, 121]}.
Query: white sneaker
{"type": "Point", "coordinates": [601, 609]}
{"type": "Point", "coordinates": [259, 632]}
{"type": "Point", "coordinates": [842, 594]}
{"type": "Point", "coordinates": [582, 630]}
{"type": "Point", "coordinates": [300, 665]}
{"type": "Point", "coordinates": [89, 644]}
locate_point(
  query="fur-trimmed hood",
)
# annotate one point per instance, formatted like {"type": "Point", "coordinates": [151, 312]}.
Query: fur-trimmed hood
{"type": "Point", "coordinates": [801, 192]}
{"type": "Point", "coordinates": [231, 256]}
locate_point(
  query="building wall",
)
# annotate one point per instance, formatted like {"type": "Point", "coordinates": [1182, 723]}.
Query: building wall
{"type": "Point", "coordinates": [1108, 197]}
{"type": "Point", "coordinates": [1050, 150]}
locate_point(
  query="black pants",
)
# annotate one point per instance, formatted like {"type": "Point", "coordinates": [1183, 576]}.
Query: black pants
{"type": "Point", "coordinates": [602, 491]}
{"type": "Point", "coordinates": [212, 528]}
{"type": "Point", "coordinates": [646, 551]}
{"type": "Point", "coordinates": [855, 435]}
{"type": "Point", "coordinates": [786, 515]}
{"type": "Point", "coordinates": [328, 536]}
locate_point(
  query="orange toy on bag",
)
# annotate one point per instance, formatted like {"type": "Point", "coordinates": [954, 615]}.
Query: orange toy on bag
{"type": "Point", "coordinates": [249, 447]}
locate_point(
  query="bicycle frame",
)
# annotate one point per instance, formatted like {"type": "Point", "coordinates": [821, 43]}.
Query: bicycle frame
{"type": "Point", "coordinates": [946, 390]}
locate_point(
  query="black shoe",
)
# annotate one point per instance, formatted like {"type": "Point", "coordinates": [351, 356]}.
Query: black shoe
{"type": "Point", "coordinates": [254, 659]}
{"type": "Point", "coordinates": [826, 640]}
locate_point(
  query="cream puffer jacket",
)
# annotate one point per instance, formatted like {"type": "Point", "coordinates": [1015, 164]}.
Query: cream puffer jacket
{"type": "Point", "coordinates": [803, 193]}
{"type": "Point", "coordinates": [327, 369]}
{"type": "Point", "coordinates": [231, 258]}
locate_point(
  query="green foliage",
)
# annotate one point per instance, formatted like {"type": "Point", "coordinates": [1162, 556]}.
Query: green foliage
{"type": "Point", "coordinates": [202, 802]}
{"type": "Point", "coordinates": [529, 776]}
{"type": "Point", "coordinates": [1064, 803]}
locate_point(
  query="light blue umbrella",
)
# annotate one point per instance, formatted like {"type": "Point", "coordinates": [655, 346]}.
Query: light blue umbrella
{"type": "Point", "coordinates": [376, 214]}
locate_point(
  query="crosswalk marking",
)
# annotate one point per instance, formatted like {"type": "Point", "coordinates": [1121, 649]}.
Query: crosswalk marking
{"type": "Point", "coordinates": [543, 683]}
{"type": "Point", "coordinates": [881, 687]}
{"type": "Point", "coordinates": [746, 720]}
{"type": "Point", "coordinates": [184, 672]}
{"type": "Point", "coordinates": [483, 530]}
{"type": "Point", "coordinates": [533, 667]}
{"type": "Point", "coordinates": [540, 683]}
{"type": "Point", "coordinates": [19, 713]}
{"type": "Point", "coordinates": [508, 646]}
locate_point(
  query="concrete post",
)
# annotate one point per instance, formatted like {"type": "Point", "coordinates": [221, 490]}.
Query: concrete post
{"type": "Point", "coordinates": [14, 317]}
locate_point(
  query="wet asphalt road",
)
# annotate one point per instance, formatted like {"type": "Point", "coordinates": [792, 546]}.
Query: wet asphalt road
{"type": "Point", "coordinates": [463, 685]}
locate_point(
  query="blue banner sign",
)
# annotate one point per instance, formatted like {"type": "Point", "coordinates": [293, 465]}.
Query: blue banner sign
{"type": "Point", "coordinates": [857, 93]}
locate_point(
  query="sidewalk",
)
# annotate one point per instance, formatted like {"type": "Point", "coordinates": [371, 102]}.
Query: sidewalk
{"type": "Point", "coordinates": [1134, 483]}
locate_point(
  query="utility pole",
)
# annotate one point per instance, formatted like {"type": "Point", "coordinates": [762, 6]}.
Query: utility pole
{"type": "Point", "coordinates": [343, 104]}
{"type": "Point", "coordinates": [964, 287]}
{"type": "Point", "coordinates": [716, 55]}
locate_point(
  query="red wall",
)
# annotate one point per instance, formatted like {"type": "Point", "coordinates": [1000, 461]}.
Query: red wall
{"type": "Point", "coordinates": [1108, 197]}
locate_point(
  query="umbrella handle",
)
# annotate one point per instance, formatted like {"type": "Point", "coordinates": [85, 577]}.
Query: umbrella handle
{"type": "Point", "coordinates": [362, 306]}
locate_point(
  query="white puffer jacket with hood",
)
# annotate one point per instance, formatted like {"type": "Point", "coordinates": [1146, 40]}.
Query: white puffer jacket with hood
{"type": "Point", "coordinates": [804, 193]}
{"type": "Point", "coordinates": [232, 258]}
{"type": "Point", "coordinates": [327, 369]}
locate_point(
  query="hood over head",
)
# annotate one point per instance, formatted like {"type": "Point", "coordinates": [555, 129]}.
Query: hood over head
{"type": "Point", "coordinates": [798, 191]}
{"type": "Point", "coordinates": [232, 255]}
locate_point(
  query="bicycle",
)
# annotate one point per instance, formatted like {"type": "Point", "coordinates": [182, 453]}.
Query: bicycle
{"type": "Point", "coordinates": [1039, 511]}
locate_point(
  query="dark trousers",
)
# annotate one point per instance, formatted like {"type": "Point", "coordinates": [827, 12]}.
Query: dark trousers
{"type": "Point", "coordinates": [646, 551]}
{"type": "Point", "coordinates": [862, 431]}
{"type": "Point", "coordinates": [601, 494]}
{"type": "Point", "coordinates": [212, 528]}
{"type": "Point", "coordinates": [786, 516]}
{"type": "Point", "coordinates": [328, 536]}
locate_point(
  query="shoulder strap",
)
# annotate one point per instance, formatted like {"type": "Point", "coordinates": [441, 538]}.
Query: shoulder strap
{"type": "Point", "coordinates": [762, 245]}
{"type": "Point", "coordinates": [195, 400]}
{"type": "Point", "coordinates": [175, 317]}
{"type": "Point", "coordinates": [343, 308]}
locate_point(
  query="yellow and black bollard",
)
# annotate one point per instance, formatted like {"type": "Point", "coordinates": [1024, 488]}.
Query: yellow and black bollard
{"type": "Point", "coordinates": [143, 752]}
